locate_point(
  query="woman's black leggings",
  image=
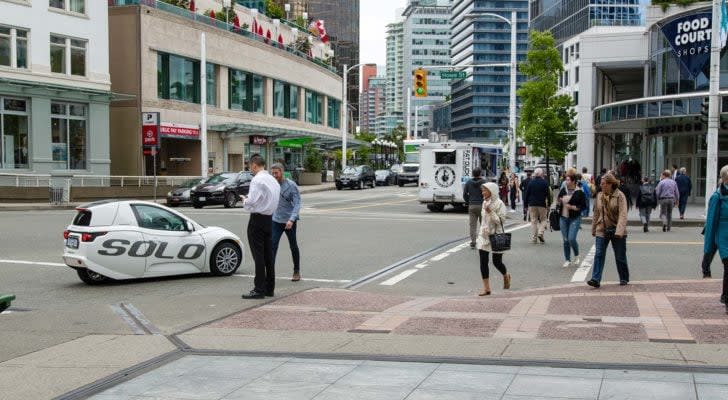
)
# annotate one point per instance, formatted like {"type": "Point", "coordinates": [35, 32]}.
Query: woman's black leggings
{"type": "Point", "coordinates": [497, 262]}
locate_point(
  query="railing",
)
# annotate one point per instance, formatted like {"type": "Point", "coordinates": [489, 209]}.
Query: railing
{"type": "Point", "coordinates": [191, 15]}
{"type": "Point", "coordinates": [45, 180]}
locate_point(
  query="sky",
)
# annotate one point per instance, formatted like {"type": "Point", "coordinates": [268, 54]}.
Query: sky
{"type": "Point", "coordinates": [374, 17]}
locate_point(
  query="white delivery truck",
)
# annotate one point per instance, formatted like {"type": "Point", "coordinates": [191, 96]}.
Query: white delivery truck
{"type": "Point", "coordinates": [446, 166]}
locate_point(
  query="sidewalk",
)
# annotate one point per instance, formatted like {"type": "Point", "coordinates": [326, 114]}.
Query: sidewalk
{"type": "Point", "coordinates": [646, 340]}
{"type": "Point", "coordinates": [694, 216]}
{"type": "Point", "coordinates": [160, 199]}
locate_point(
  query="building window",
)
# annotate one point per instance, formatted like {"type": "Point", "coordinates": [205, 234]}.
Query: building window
{"type": "Point", "coordinates": [68, 55]}
{"type": "Point", "coordinates": [14, 133]}
{"type": "Point", "coordinates": [178, 78]}
{"type": "Point", "coordinates": [334, 113]}
{"type": "Point", "coordinates": [285, 100]}
{"type": "Point", "coordinates": [77, 6]}
{"type": "Point", "coordinates": [314, 107]}
{"type": "Point", "coordinates": [68, 135]}
{"type": "Point", "coordinates": [13, 47]}
{"type": "Point", "coordinates": [246, 91]}
{"type": "Point", "coordinates": [211, 88]}
{"type": "Point", "coordinates": [576, 75]}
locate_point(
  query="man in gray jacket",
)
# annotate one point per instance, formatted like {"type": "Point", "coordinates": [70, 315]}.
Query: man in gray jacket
{"type": "Point", "coordinates": [473, 196]}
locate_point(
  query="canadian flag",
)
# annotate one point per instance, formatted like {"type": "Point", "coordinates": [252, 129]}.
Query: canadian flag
{"type": "Point", "coordinates": [317, 28]}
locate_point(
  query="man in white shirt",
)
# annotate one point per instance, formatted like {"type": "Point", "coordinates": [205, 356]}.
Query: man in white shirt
{"type": "Point", "coordinates": [262, 202]}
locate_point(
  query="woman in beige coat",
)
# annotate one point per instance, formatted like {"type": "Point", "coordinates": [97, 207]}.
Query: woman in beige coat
{"type": "Point", "coordinates": [493, 212]}
{"type": "Point", "coordinates": [610, 225]}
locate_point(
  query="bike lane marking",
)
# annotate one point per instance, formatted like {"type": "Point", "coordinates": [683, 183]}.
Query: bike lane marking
{"type": "Point", "coordinates": [409, 272]}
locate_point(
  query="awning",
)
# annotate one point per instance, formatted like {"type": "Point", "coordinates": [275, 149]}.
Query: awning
{"type": "Point", "coordinates": [279, 133]}
{"type": "Point", "coordinates": [49, 89]}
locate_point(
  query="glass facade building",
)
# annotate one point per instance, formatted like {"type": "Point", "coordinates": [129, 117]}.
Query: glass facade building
{"type": "Point", "coordinates": [480, 102]}
{"type": "Point", "coordinates": [426, 43]}
{"type": "Point", "coordinates": [566, 18]}
{"type": "Point", "coordinates": [341, 20]}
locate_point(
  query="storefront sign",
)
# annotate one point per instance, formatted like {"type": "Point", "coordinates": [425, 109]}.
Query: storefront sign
{"type": "Point", "coordinates": [179, 131]}
{"type": "Point", "coordinates": [689, 38]}
{"type": "Point", "coordinates": [259, 140]}
{"type": "Point", "coordinates": [150, 129]}
{"type": "Point", "coordinates": [687, 127]}
{"type": "Point", "coordinates": [150, 152]}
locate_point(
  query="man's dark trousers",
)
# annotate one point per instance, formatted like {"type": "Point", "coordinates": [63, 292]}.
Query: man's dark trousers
{"type": "Point", "coordinates": [278, 231]}
{"type": "Point", "coordinates": [260, 240]}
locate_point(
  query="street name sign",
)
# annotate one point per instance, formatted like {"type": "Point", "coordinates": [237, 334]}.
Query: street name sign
{"type": "Point", "coordinates": [453, 74]}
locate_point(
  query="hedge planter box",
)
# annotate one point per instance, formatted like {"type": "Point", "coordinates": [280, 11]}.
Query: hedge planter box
{"type": "Point", "coordinates": [309, 178]}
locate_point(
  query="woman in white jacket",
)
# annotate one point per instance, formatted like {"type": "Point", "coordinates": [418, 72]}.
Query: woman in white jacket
{"type": "Point", "coordinates": [494, 212]}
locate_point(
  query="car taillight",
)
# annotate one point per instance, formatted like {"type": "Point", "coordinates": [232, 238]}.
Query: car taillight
{"type": "Point", "coordinates": [65, 234]}
{"type": "Point", "coordinates": [89, 237]}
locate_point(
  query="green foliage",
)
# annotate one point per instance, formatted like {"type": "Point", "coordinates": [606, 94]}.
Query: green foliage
{"type": "Point", "coordinates": [665, 4]}
{"type": "Point", "coordinates": [337, 155]}
{"type": "Point", "coordinates": [545, 116]}
{"type": "Point", "coordinates": [273, 10]}
{"type": "Point", "coordinates": [300, 21]}
{"type": "Point", "coordinates": [365, 136]}
{"type": "Point", "coordinates": [302, 45]}
{"type": "Point", "coordinates": [220, 14]}
{"type": "Point", "coordinates": [314, 161]}
{"type": "Point", "coordinates": [178, 3]}
{"type": "Point", "coordinates": [363, 154]}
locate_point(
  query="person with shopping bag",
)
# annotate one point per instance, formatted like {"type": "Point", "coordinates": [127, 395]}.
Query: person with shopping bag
{"type": "Point", "coordinates": [492, 238]}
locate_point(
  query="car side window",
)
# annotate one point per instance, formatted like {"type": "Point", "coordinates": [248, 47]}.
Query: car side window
{"type": "Point", "coordinates": [151, 217]}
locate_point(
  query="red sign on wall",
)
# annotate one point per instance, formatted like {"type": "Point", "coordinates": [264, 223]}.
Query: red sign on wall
{"type": "Point", "coordinates": [150, 129]}
{"type": "Point", "coordinates": [259, 140]}
{"type": "Point", "coordinates": [179, 131]}
{"type": "Point", "coordinates": [150, 152]}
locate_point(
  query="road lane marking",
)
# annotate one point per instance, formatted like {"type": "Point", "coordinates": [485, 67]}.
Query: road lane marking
{"type": "Point", "coordinates": [406, 274]}
{"type": "Point", "coordinates": [395, 279]}
{"type": "Point", "coordinates": [47, 264]}
{"type": "Point", "coordinates": [303, 279]}
{"type": "Point", "coordinates": [581, 273]}
{"type": "Point", "coordinates": [368, 205]}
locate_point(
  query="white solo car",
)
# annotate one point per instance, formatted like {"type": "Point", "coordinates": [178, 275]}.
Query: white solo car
{"type": "Point", "coordinates": [114, 239]}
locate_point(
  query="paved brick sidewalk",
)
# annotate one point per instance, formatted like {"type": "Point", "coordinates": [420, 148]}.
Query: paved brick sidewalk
{"type": "Point", "coordinates": [669, 312]}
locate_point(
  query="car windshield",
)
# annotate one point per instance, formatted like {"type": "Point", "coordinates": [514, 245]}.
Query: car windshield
{"type": "Point", "coordinates": [220, 178]}
{"type": "Point", "coordinates": [382, 172]}
{"type": "Point", "coordinates": [352, 170]}
{"type": "Point", "coordinates": [191, 183]}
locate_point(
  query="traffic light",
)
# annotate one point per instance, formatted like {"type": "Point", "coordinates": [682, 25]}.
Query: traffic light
{"type": "Point", "coordinates": [704, 110]}
{"type": "Point", "coordinates": [420, 83]}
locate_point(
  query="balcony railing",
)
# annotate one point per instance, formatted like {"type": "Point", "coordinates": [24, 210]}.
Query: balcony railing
{"type": "Point", "coordinates": [191, 15]}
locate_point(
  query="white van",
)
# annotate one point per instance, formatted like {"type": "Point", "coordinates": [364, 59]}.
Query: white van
{"type": "Point", "coordinates": [446, 166]}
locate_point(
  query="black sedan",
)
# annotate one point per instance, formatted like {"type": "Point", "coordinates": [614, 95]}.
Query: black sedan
{"type": "Point", "coordinates": [223, 188]}
{"type": "Point", "coordinates": [181, 194]}
{"type": "Point", "coordinates": [356, 177]}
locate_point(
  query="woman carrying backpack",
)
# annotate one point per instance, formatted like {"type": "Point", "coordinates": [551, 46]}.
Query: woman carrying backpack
{"type": "Point", "coordinates": [571, 202]}
{"type": "Point", "coordinates": [646, 202]}
{"type": "Point", "coordinates": [716, 229]}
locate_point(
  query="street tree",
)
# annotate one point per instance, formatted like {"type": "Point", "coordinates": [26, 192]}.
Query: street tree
{"type": "Point", "coordinates": [547, 118]}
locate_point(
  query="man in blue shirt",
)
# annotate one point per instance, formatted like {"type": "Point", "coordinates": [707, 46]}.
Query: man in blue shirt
{"type": "Point", "coordinates": [286, 216]}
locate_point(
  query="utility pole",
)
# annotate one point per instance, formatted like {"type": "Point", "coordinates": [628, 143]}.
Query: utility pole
{"type": "Point", "coordinates": [711, 171]}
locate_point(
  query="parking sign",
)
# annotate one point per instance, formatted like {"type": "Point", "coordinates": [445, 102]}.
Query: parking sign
{"type": "Point", "coordinates": [150, 129]}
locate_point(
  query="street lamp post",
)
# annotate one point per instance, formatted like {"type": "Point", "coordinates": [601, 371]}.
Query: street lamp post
{"type": "Point", "coordinates": [344, 127]}
{"type": "Point", "coordinates": [512, 103]}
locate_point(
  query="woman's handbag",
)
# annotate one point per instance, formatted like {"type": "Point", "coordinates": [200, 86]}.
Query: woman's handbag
{"type": "Point", "coordinates": [500, 241]}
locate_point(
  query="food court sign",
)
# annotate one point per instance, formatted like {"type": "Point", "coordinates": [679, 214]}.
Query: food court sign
{"type": "Point", "coordinates": [689, 38]}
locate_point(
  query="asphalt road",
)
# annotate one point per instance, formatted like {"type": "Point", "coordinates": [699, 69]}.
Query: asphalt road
{"type": "Point", "coordinates": [344, 236]}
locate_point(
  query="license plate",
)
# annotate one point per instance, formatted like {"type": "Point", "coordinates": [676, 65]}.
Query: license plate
{"type": "Point", "coordinates": [202, 198]}
{"type": "Point", "coordinates": [72, 242]}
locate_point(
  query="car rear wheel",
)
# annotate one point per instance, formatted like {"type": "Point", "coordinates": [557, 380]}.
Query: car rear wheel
{"type": "Point", "coordinates": [339, 187]}
{"type": "Point", "coordinates": [92, 278]}
{"type": "Point", "coordinates": [361, 185]}
{"type": "Point", "coordinates": [196, 204]}
{"type": "Point", "coordinates": [225, 259]}
{"type": "Point", "coordinates": [230, 200]}
{"type": "Point", "coordinates": [400, 184]}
